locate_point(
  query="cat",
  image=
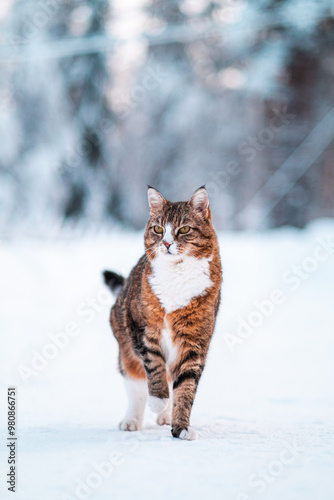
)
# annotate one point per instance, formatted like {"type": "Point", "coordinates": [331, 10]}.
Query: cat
{"type": "Point", "coordinates": [165, 312]}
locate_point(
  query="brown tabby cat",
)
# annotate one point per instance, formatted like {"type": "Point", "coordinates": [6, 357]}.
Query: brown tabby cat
{"type": "Point", "coordinates": [165, 312]}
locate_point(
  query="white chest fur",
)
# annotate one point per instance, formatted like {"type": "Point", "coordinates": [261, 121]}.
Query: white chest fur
{"type": "Point", "coordinates": [176, 282]}
{"type": "Point", "coordinates": [168, 348]}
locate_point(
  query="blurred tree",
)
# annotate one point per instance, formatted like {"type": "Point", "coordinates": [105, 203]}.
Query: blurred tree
{"type": "Point", "coordinates": [87, 183]}
{"type": "Point", "coordinates": [59, 169]}
{"type": "Point", "coordinates": [311, 96]}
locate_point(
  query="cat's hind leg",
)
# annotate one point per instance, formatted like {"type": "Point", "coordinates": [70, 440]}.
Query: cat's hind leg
{"type": "Point", "coordinates": [136, 389]}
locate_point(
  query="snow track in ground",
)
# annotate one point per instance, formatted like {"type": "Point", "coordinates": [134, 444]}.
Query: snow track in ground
{"type": "Point", "coordinates": [264, 407]}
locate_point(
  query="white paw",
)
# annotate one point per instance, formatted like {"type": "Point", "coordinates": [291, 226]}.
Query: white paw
{"type": "Point", "coordinates": [164, 418]}
{"type": "Point", "coordinates": [130, 424]}
{"type": "Point", "coordinates": [190, 434]}
{"type": "Point", "coordinates": [157, 405]}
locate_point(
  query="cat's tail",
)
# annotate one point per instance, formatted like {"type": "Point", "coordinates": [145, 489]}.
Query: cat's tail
{"type": "Point", "coordinates": [114, 281]}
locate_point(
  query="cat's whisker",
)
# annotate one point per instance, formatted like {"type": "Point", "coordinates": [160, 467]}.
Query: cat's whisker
{"type": "Point", "coordinates": [190, 253]}
{"type": "Point", "coordinates": [151, 248]}
{"type": "Point", "coordinates": [146, 259]}
{"type": "Point", "coordinates": [149, 255]}
{"type": "Point", "coordinates": [148, 249]}
{"type": "Point", "coordinates": [153, 251]}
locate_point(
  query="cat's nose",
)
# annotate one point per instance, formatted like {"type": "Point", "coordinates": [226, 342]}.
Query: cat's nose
{"type": "Point", "coordinates": [167, 245]}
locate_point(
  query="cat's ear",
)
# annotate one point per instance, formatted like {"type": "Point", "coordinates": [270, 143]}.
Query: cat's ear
{"type": "Point", "coordinates": [200, 202]}
{"type": "Point", "coordinates": [155, 199]}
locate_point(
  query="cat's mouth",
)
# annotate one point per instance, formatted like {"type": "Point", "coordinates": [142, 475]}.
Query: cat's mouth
{"type": "Point", "coordinates": [172, 251]}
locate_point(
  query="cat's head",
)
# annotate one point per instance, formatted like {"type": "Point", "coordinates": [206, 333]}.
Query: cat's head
{"type": "Point", "coordinates": [179, 229]}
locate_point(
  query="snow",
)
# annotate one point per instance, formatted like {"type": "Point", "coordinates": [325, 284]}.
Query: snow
{"type": "Point", "coordinates": [264, 408]}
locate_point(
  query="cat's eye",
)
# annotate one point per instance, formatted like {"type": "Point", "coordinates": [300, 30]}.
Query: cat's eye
{"type": "Point", "coordinates": [158, 229]}
{"type": "Point", "coordinates": [184, 229]}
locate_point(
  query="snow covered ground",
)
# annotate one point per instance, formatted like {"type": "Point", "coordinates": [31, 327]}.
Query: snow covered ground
{"type": "Point", "coordinates": [264, 408]}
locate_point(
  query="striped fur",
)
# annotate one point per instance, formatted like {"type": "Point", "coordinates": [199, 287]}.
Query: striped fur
{"type": "Point", "coordinates": [165, 312]}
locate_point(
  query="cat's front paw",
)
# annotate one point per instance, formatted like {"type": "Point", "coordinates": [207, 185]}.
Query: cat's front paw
{"type": "Point", "coordinates": [189, 433]}
{"type": "Point", "coordinates": [130, 424]}
{"type": "Point", "coordinates": [157, 405]}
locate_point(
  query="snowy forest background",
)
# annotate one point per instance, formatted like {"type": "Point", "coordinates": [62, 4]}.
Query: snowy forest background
{"type": "Point", "coordinates": [99, 98]}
